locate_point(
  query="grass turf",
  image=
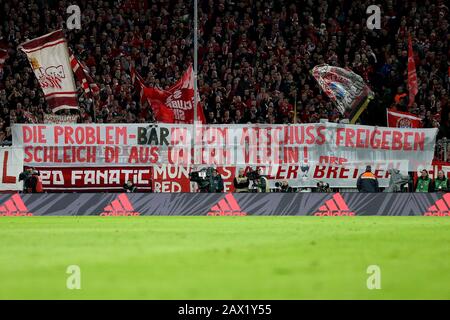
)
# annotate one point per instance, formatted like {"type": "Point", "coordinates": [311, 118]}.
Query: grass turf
{"type": "Point", "coordinates": [225, 257]}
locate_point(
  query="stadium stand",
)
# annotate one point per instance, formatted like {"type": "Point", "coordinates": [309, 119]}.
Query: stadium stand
{"type": "Point", "coordinates": [254, 57]}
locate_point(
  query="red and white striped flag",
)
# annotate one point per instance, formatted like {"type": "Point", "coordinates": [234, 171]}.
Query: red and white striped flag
{"type": "Point", "coordinates": [399, 119]}
{"type": "Point", "coordinates": [82, 74]}
{"type": "Point", "coordinates": [412, 76]}
{"type": "Point", "coordinates": [49, 58]}
{"type": "Point", "coordinates": [31, 118]}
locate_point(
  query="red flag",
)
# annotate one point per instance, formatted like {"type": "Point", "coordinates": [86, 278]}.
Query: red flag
{"type": "Point", "coordinates": [179, 98]}
{"type": "Point", "coordinates": [412, 76]}
{"type": "Point", "coordinates": [81, 72]}
{"type": "Point", "coordinates": [399, 119]}
{"type": "Point", "coordinates": [160, 110]}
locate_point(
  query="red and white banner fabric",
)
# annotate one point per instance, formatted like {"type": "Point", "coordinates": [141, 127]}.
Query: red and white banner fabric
{"type": "Point", "coordinates": [81, 72]}
{"type": "Point", "coordinates": [11, 165]}
{"type": "Point", "coordinates": [92, 179]}
{"type": "Point", "coordinates": [161, 112]}
{"type": "Point", "coordinates": [49, 58]}
{"type": "Point", "coordinates": [60, 118]}
{"type": "Point", "coordinates": [165, 178]}
{"type": "Point", "coordinates": [234, 145]}
{"type": "Point", "coordinates": [179, 99]}
{"type": "Point", "coordinates": [399, 119]}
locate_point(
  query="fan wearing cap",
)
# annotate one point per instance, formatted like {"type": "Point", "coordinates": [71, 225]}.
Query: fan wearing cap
{"type": "Point", "coordinates": [367, 181]}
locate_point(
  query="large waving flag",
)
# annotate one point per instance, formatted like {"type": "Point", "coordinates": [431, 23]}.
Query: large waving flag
{"type": "Point", "coordinates": [161, 112]}
{"type": "Point", "coordinates": [49, 58]}
{"type": "Point", "coordinates": [179, 98]}
{"type": "Point", "coordinates": [345, 88]}
{"type": "Point", "coordinates": [412, 76]}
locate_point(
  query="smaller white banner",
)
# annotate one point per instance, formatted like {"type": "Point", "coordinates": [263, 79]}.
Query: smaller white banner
{"type": "Point", "coordinates": [11, 165]}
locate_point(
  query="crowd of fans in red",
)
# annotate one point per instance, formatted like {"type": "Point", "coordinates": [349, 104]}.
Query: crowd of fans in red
{"type": "Point", "coordinates": [254, 57]}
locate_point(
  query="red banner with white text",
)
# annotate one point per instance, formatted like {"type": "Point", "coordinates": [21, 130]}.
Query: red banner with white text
{"type": "Point", "coordinates": [165, 178]}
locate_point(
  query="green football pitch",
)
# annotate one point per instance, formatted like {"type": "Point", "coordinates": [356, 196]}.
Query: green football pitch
{"type": "Point", "coordinates": [225, 257]}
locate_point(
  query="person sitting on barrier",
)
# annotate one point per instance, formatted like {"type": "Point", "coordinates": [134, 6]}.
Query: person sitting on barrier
{"type": "Point", "coordinates": [216, 182]}
{"type": "Point", "coordinates": [129, 186]}
{"type": "Point", "coordinates": [441, 182]}
{"type": "Point", "coordinates": [367, 181]}
{"type": "Point", "coordinates": [424, 183]}
{"type": "Point", "coordinates": [241, 182]}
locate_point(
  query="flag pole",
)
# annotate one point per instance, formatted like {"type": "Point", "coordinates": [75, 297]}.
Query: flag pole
{"type": "Point", "coordinates": [358, 113]}
{"type": "Point", "coordinates": [295, 107]}
{"type": "Point", "coordinates": [195, 57]}
{"type": "Point", "coordinates": [95, 104]}
{"type": "Point", "coordinates": [195, 75]}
